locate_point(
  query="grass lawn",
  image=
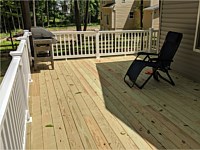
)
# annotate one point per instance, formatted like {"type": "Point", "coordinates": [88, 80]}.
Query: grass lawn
{"type": "Point", "coordinates": [73, 28]}
{"type": "Point", "coordinates": [5, 35]}
{"type": "Point", "coordinates": [4, 63]}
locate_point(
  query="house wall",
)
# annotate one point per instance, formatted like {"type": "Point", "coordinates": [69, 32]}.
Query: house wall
{"type": "Point", "coordinates": [106, 11]}
{"type": "Point", "coordinates": [122, 10]}
{"type": "Point", "coordinates": [181, 16]}
{"type": "Point", "coordinates": [103, 23]}
{"type": "Point", "coordinates": [156, 19]}
{"type": "Point", "coordinates": [154, 2]}
{"type": "Point", "coordinates": [122, 15]}
{"type": "Point", "coordinates": [147, 19]}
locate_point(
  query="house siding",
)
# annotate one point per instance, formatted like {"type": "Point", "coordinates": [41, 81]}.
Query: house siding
{"type": "Point", "coordinates": [122, 15]}
{"type": "Point", "coordinates": [122, 10]}
{"type": "Point", "coordinates": [181, 16]}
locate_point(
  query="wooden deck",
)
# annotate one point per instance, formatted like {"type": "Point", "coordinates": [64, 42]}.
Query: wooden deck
{"type": "Point", "coordinates": [84, 104]}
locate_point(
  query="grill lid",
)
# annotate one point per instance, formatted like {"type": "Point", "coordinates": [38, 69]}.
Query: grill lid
{"type": "Point", "coordinates": [41, 33]}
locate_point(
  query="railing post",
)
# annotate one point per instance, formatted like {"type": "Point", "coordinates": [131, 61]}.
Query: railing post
{"type": "Point", "coordinates": [25, 94]}
{"type": "Point", "coordinates": [150, 38]}
{"type": "Point", "coordinates": [157, 41]}
{"type": "Point", "coordinates": [97, 43]}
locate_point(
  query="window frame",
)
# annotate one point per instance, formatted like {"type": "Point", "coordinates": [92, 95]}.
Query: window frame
{"type": "Point", "coordinates": [131, 15]}
{"type": "Point", "coordinates": [107, 20]}
{"type": "Point", "coordinates": [197, 32]}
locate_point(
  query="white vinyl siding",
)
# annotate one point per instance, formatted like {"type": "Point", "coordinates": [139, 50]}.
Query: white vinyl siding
{"type": "Point", "coordinates": [181, 16]}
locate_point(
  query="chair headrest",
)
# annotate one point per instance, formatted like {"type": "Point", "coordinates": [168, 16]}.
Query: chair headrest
{"type": "Point", "coordinates": [173, 36]}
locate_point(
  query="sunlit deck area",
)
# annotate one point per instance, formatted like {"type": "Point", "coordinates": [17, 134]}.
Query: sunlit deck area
{"type": "Point", "coordinates": [85, 104]}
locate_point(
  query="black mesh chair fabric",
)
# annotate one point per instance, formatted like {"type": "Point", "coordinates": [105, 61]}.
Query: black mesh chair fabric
{"type": "Point", "coordinates": [161, 62]}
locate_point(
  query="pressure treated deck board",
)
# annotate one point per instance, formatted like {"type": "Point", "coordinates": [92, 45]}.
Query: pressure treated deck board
{"type": "Point", "coordinates": [47, 121]}
{"type": "Point", "coordinates": [128, 144]}
{"type": "Point", "coordinates": [69, 122]}
{"type": "Point", "coordinates": [36, 128]}
{"type": "Point", "coordinates": [90, 107]}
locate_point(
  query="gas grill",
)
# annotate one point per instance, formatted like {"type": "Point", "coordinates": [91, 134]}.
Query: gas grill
{"type": "Point", "coordinates": [42, 44]}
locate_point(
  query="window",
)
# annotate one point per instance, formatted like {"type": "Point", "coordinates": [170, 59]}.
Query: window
{"type": "Point", "coordinates": [106, 17]}
{"type": "Point", "coordinates": [131, 14]}
{"type": "Point", "coordinates": [107, 20]}
{"type": "Point", "coordinates": [197, 34]}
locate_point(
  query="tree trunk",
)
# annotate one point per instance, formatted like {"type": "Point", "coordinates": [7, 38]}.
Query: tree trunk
{"type": "Point", "coordinates": [27, 20]}
{"type": "Point", "coordinates": [42, 19]}
{"type": "Point", "coordinates": [77, 15]}
{"type": "Point", "coordinates": [141, 14]}
{"type": "Point", "coordinates": [22, 21]}
{"type": "Point", "coordinates": [13, 21]}
{"type": "Point", "coordinates": [9, 30]}
{"type": "Point", "coordinates": [47, 9]}
{"type": "Point", "coordinates": [34, 15]}
{"type": "Point", "coordinates": [4, 22]}
{"type": "Point", "coordinates": [54, 15]}
{"type": "Point", "coordinates": [86, 15]}
{"type": "Point", "coordinates": [18, 20]}
{"type": "Point", "coordinates": [26, 14]}
{"type": "Point", "coordinates": [141, 22]}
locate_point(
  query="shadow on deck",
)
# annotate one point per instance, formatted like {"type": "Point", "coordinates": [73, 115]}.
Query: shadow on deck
{"type": "Point", "coordinates": [164, 115]}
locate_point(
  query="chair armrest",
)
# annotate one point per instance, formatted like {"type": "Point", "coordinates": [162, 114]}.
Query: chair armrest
{"type": "Point", "coordinates": [146, 53]}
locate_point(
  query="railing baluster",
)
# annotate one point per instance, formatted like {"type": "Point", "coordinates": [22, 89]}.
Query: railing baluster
{"type": "Point", "coordinates": [115, 37]}
{"type": "Point", "coordinates": [57, 46]}
{"type": "Point", "coordinates": [85, 45]}
{"type": "Point", "coordinates": [81, 47]}
{"type": "Point", "coordinates": [77, 44]}
{"type": "Point", "coordinates": [108, 36]}
{"type": "Point", "coordinates": [92, 44]}
{"type": "Point", "coordinates": [5, 139]}
{"type": "Point", "coordinates": [104, 41]}
{"type": "Point", "coordinates": [88, 37]}
{"type": "Point", "coordinates": [60, 45]}
{"type": "Point", "coordinates": [125, 43]}
{"type": "Point", "coordinates": [69, 44]}
{"type": "Point", "coordinates": [132, 40]}
{"type": "Point", "coordinates": [111, 42]}
{"type": "Point", "coordinates": [65, 45]}
{"type": "Point", "coordinates": [73, 52]}
{"type": "Point", "coordinates": [128, 44]}
{"type": "Point", "coordinates": [135, 40]}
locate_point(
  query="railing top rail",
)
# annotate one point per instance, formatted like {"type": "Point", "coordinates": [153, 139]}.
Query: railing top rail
{"type": "Point", "coordinates": [72, 32]}
{"type": "Point", "coordinates": [19, 50]}
{"type": "Point", "coordinates": [92, 32]}
{"type": "Point", "coordinates": [124, 31]}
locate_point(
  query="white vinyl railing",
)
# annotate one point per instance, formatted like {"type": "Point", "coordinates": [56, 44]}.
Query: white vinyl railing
{"type": "Point", "coordinates": [14, 91]}
{"type": "Point", "coordinates": [75, 44]}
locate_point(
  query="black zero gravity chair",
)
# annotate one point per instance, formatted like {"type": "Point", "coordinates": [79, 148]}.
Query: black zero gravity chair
{"type": "Point", "coordinates": [158, 62]}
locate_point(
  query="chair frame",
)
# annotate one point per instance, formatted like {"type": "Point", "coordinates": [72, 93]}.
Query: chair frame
{"type": "Point", "coordinates": [156, 65]}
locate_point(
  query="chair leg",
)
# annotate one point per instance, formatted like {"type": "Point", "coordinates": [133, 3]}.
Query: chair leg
{"type": "Point", "coordinates": [170, 81]}
{"type": "Point", "coordinates": [155, 74]}
{"type": "Point", "coordinates": [145, 82]}
{"type": "Point", "coordinates": [134, 83]}
{"type": "Point", "coordinates": [128, 82]}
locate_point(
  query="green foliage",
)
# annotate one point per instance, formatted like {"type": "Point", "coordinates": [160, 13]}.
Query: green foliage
{"type": "Point", "coordinates": [49, 125]}
{"type": "Point", "coordinates": [60, 12]}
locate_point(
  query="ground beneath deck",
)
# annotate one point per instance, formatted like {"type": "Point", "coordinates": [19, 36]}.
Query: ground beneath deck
{"type": "Point", "coordinates": [84, 104]}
